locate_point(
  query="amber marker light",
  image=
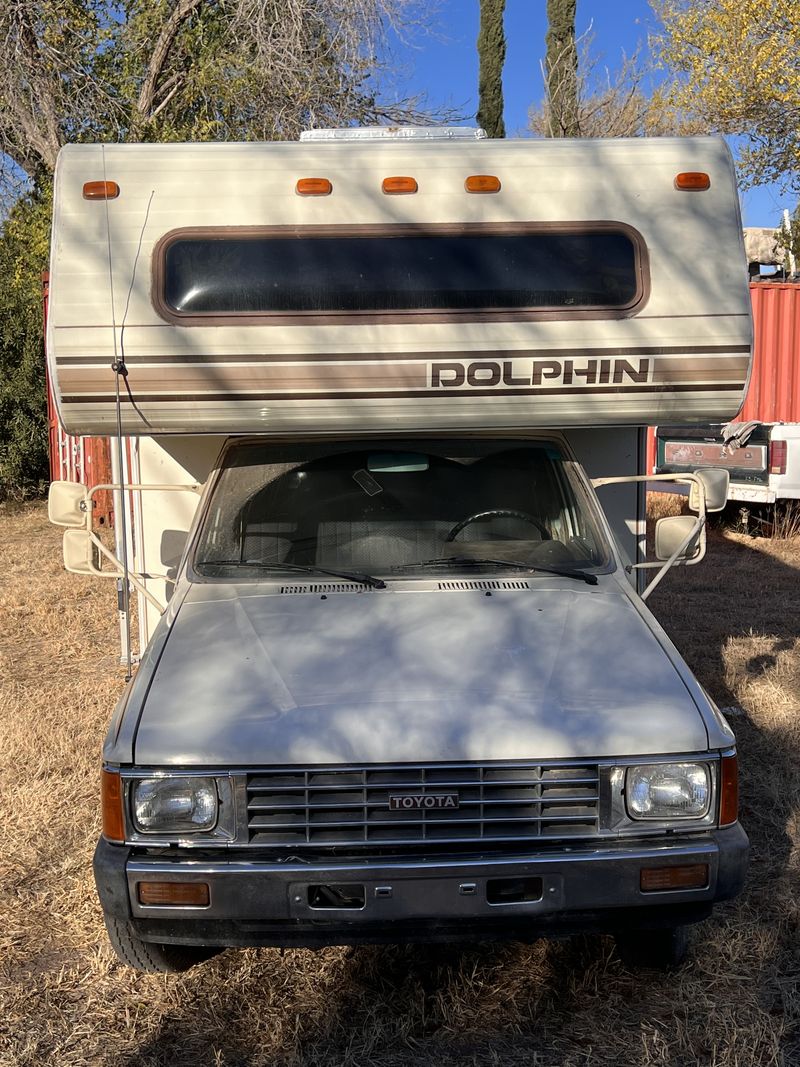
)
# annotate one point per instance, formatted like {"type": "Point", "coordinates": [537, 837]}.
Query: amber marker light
{"type": "Point", "coordinates": [111, 798]}
{"type": "Point", "coordinates": [399, 184]}
{"type": "Point", "coordinates": [482, 183]}
{"type": "Point", "coordinates": [100, 190]}
{"type": "Point", "coordinates": [313, 187]}
{"type": "Point", "coordinates": [688, 876]}
{"type": "Point", "coordinates": [692, 179]}
{"type": "Point", "coordinates": [729, 790]}
{"type": "Point", "coordinates": [176, 894]}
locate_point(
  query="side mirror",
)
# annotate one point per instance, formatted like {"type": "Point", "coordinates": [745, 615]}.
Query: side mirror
{"type": "Point", "coordinates": [715, 482]}
{"type": "Point", "coordinates": [66, 504]}
{"type": "Point", "coordinates": [80, 553]}
{"type": "Point", "coordinates": [672, 532]}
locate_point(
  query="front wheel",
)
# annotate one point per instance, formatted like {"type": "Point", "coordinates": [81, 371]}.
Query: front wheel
{"type": "Point", "coordinates": [153, 958]}
{"type": "Point", "coordinates": [657, 949]}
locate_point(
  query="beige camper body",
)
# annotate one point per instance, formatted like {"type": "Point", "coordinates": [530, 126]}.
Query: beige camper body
{"type": "Point", "coordinates": [664, 338]}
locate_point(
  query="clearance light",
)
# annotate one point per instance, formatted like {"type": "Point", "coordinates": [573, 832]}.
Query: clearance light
{"type": "Point", "coordinates": [397, 185]}
{"type": "Point", "coordinates": [100, 190]}
{"type": "Point", "coordinates": [111, 803]}
{"type": "Point", "coordinates": [692, 179]}
{"type": "Point", "coordinates": [177, 894]}
{"type": "Point", "coordinates": [729, 791]}
{"type": "Point", "coordinates": [690, 876]}
{"type": "Point", "coordinates": [482, 183]}
{"type": "Point", "coordinates": [313, 187]}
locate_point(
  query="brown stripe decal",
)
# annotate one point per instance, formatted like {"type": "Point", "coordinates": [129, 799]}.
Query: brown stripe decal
{"type": "Point", "coordinates": [251, 379]}
{"type": "Point", "coordinates": [197, 359]}
{"type": "Point", "coordinates": [506, 376]}
{"type": "Point", "coordinates": [429, 394]}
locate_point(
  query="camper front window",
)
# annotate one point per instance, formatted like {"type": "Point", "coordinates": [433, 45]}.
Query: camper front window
{"type": "Point", "coordinates": [396, 511]}
{"type": "Point", "coordinates": [465, 271]}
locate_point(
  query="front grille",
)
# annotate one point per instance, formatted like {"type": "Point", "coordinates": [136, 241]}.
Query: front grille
{"type": "Point", "coordinates": [349, 806]}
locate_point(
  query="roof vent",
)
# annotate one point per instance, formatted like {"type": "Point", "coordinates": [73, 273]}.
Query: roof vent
{"type": "Point", "coordinates": [397, 133]}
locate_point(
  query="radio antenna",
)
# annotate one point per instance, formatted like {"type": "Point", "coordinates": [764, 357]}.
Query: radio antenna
{"type": "Point", "coordinates": [119, 369]}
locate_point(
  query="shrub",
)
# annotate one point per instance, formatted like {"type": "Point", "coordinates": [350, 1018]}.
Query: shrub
{"type": "Point", "coordinates": [23, 406]}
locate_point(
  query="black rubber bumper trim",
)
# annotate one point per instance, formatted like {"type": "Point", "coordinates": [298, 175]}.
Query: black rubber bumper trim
{"type": "Point", "coordinates": [734, 853]}
{"type": "Point", "coordinates": [110, 878]}
{"type": "Point", "coordinates": [229, 933]}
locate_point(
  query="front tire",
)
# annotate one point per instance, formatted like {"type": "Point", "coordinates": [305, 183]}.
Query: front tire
{"type": "Point", "coordinates": [660, 950]}
{"type": "Point", "coordinates": [153, 958]}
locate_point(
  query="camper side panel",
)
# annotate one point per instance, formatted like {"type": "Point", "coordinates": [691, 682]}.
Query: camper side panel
{"type": "Point", "coordinates": [587, 291]}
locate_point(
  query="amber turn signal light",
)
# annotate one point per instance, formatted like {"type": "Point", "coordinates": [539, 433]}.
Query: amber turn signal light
{"type": "Point", "coordinates": [482, 183]}
{"type": "Point", "coordinates": [111, 803]}
{"type": "Point", "coordinates": [692, 179]}
{"type": "Point", "coordinates": [729, 790]}
{"type": "Point", "coordinates": [399, 184]}
{"type": "Point", "coordinates": [177, 894]}
{"type": "Point", "coordinates": [690, 876]}
{"type": "Point", "coordinates": [313, 187]}
{"type": "Point", "coordinates": [100, 190]}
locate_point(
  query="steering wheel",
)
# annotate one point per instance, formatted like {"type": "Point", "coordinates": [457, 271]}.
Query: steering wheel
{"type": "Point", "coordinates": [511, 513]}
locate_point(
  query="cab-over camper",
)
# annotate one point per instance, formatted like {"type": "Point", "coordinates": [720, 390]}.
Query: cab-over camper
{"type": "Point", "coordinates": [398, 679]}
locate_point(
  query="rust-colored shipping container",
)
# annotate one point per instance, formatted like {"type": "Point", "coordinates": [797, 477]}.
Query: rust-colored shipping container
{"type": "Point", "coordinates": [774, 391]}
{"type": "Point", "coordinates": [773, 394]}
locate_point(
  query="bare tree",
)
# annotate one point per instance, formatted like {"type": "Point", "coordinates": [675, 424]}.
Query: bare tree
{"type": "Point", "coordinates": [606, 104]}
{"type": "Point", "coordinates": [193, 69]}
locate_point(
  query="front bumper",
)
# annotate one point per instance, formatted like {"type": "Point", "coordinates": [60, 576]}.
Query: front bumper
{"type": "Point", "coordinates": [263, 902]}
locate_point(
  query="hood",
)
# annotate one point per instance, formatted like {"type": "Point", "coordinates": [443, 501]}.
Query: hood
{"type": "Point", "coordinates": [252, 676]}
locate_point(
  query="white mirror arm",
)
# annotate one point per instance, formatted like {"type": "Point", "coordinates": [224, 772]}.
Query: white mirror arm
{"type": "Point", "coordinates": [118, 572]}
{"type": "Point", "coordinates": [699, 525]}
{"type": "Point", "coordinates": [135, 580]}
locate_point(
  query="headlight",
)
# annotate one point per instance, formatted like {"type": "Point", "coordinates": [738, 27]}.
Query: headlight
{"type": "Point", "coordinates": [668, 791]}
{"type": "Point", "coordinates": [174, 805]}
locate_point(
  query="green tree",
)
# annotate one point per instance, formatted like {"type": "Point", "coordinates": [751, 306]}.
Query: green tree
{"type": "Point", "coordinates": [736, 67]}
{"type": "Point", "coordinates": [159, 70]}
{"type": "Point", "coordinates": [561, 70]}
{"type": "Point", "coordinates": [23, 425]}
{"type": "Point", "coordinates": [491, 57]}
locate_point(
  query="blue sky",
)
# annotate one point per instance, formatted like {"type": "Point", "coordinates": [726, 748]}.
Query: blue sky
{"type": "Point", "coordinates": [446, 66]}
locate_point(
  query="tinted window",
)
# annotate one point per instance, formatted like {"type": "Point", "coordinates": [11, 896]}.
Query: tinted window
{"type": "Point", "coordinates": [407, 272]}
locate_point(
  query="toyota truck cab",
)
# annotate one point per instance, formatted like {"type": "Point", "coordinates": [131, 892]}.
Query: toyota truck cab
{"type": "Point", "coordinates": [400, 681]}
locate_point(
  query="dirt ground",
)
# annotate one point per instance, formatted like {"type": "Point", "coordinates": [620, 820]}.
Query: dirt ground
{"type": "Point", "coordinates": [65, 1000]}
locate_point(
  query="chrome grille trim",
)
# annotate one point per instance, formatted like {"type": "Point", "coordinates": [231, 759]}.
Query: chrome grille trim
{"type": "Point", "coordinates": [349, 806]}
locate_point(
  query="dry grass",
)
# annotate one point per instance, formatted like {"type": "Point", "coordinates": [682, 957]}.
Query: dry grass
{"type": "Point", "coordinates": [65, 1000]}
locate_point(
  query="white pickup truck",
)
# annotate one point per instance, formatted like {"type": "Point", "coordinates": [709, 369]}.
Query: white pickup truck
{"type": "Point", "coordinates": [404, 685]}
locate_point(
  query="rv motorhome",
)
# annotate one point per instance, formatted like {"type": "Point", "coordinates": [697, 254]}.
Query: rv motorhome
{"type": "Point", "coordinates": [398, 678]}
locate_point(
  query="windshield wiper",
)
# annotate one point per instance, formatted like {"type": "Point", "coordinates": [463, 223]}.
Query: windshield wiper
{"type": "Point", "coordinates": [582, 576]}
{"type": "Point", "coordinates": [296, 568]}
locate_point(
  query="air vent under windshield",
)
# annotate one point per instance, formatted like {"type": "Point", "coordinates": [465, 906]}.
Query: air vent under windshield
{"type": "Point", "coordinates": [327, 587]}
{"type": "Point", "coordinates": [485, 583]}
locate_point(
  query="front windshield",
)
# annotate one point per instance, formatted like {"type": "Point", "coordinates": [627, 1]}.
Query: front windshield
{"type": "Point", "coordinates": [396, 510]}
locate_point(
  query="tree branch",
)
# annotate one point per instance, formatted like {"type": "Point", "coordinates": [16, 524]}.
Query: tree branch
{"type": "Point", "coordinates": [144, 105]}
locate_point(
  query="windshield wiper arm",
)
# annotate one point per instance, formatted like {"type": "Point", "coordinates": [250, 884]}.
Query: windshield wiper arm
{"type": "Point", "coordinates": [297, 568]}
{"type": "Point", "coordinates": [582, 576]}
